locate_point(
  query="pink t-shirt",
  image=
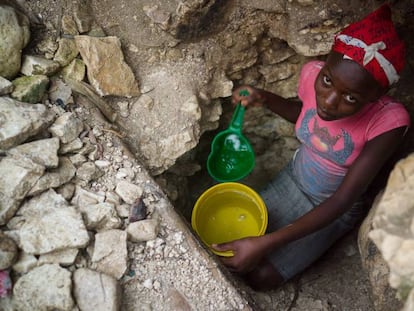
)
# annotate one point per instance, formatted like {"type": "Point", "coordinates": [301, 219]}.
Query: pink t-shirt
{"type": "Point", "coordinates": [329, 148]}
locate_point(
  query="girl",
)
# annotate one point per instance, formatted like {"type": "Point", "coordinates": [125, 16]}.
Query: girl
{"type": "Point", "coordinates": [348, 128]}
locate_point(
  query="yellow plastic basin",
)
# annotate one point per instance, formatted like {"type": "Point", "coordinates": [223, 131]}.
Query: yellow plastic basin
{"type": "Point", "coordinates": [226, 212]}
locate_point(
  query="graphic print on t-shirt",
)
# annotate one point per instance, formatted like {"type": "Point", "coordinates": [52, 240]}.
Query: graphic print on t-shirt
{"type": "Point", "coordinates": [322, 142]}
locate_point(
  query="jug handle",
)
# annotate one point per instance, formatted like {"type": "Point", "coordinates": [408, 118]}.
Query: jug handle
{"type": "Point", "coordinates": [238, 115]}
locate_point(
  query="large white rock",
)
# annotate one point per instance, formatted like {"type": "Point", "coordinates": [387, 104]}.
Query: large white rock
{"type": "Point", "coordinates": [392, 224]}
{"type": "Point", "coordinates": [20, 121]}
{"type": "Point", "coordinates": [110, 253]}
{"type": "Point", "coordinates": [43, 151]}
{"type": "Point", "coordinates": [95, 291]}
{"type": "Point", "coordinates": [15, 34]}
{"type": "Point", "coordinates": [47, 287]}
{"type": "Point", "coordinates": [18, 175]}
{"type": "Point", "coordinates": [51, 224]}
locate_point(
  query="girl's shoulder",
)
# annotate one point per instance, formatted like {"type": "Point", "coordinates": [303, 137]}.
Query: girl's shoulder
{"type": "Point", "coordinates": [387, 114]}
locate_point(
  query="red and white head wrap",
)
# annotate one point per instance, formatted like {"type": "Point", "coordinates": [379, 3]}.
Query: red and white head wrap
{"type": "Point", "coordinates": [374, 44]}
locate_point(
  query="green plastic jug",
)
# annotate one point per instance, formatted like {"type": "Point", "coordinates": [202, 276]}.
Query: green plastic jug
{"type": "Point", "coordinates": [231, 157]}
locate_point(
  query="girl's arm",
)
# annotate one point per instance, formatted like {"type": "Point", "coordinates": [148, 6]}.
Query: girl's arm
{"type": "Point", "coordinates": [249, 251]}
{"type": "Point", "coordinates": [288, 109]}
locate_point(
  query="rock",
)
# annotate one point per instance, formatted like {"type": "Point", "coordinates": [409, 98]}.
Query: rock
{"type": "Point", "coordinates": [76, 70]}
{"type": "Point", "coordinates": [100, 217]}
{"type": "Point", "coordinates": [30, 89]}
{"type": "Point", "coordinates": [19, 121]}
{"type": "Point", "coordinates": [18, 176]}
{"type": "Point", "coordinates": [60, 93]}
{"type": "Point", "coordinates": [6, 304]}
{"type": "Point", "coordinates": [128, 192]}
{"type": "Point", "coordinates": [383, 296]}
{"type": "Point", "coordinates": [71, 147]}
{"type": "Point", "coordinates": [54, 178]}
{"type": "Point", "coordinates": [25, 263]}
{"type": "Point", "coordinates": [143, 230]}
{"type": "Point", "coordinates": [69, 26]}
{"type": "Point", "coordinates": [177, 301]}
{"type": "Point", "coordinates": [15, 30]}
{"type": "Point", "coordinates": [220, 87]}
{"type": "Point", "coordinates": [83, 197]}
{"type": "Point", "coordinates": [51, 224]}
{"type": "Point", "coordinates": [64, 257]}
{"type": "Point", "coordinates": [67, 191]}
{"type": "Point", "coordinates": [393, 227]}
{"type": "Point", "coordinates": [107, 71]}
{"type": "Point", "coordinates": [8, 252]}
{"type": "Point", "coordinates": [66, 52]}
{"type": "Point", "coordinates": [43, 152]}
{"type": "Point", "coordinates": [96, 31]}
{"type": "Point", "coordinates": [47, 47]}
{"type": "Point", "coordinates": [83, 15]}
{"type": "Point", "coordinates": [47, 287]}
{"type": "Point", "coordinates": [96, 291]}
{"type": "Point", "coordinates": [110, 253]}
{"type": "Point", "coordinates": [88, 171]}
{"type": "Point", "coordinates": [6, 87]}
{"type": "Point", "coordinates": [37, 65]}
{"type": "Point", "coordinates": [278, 72]}
{"type": "Point", "coordinates": [67, 127]}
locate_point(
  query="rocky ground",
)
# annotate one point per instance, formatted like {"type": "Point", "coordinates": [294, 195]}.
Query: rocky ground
{"type": "Point", "coordinates": [158, 263]}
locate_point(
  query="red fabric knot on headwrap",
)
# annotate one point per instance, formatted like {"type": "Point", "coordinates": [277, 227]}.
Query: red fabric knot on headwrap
{"type": "Point", "coordinates": [374, 44]}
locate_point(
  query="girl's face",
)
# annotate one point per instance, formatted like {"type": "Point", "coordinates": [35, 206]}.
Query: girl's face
{"type": "Point", "coordinates": [343, 87]}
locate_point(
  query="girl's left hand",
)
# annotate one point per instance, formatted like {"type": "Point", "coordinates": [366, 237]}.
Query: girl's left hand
{"type": "Point", "coordinates": [248, 252]}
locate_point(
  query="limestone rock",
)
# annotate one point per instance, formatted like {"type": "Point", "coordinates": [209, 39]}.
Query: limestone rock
{"type": "Point", "coordinates": [67, 127]}
{"type": "Point", "coordinates": [69, 26]}
{"type": "Point", "coordinates": [25, 263]}
{"type": "Point", "coordinates": [96, 291]}
{"type": "Point", "coordinates": [88, 171]}
{"type": "Point", "coordinates": [60, 93]}
{"type": "Point", "coordinates": [128, 192]}
{"type": "Point", "coordinates": [64, 257]}
{"type": "Point", "coordinates": [66, 52]}
{"type": "Point", "coordinates": [83, 197]}
{"type": "Point", "coordinates": [76, 70]}
{"type": "Point", "coordinates": [8, 252]}
{"type": "Point", "coordinates": [383, 296]}
{"type": "Point", "coordinates": [15, 30]}
{"type": "Point", "coordinates": [101, 216]}
{"type": "Point", "coordinates": [54, 178]}
{"type": "Point", "coordinates": [51, 224]}
{"type": "Point", "coordinates": [43, 152]}
{"type": "Point", "coordinates": [83, 16]}
{"type": "Point", "coordinates": [18, 176]}
{"type": "Point", "coordinates": [392, 224]}
{"type": "Point", "coordinates": [36, 65]}
{"type": "Point", "coordinates": [20, 121]}
{"type": "Point", "coordinates": [6, 87]}
{"type": "Point", "coordinates": [110, 253]}
{"type": "Point", "coordinates": [107, 71]}
{"type": "Point", "coordinates": [47, 287]}
{"type": "Point", "coordinates": [30, 89]}
{"type": "Point", "coordinates": [71, 147]}
{"type": "Point", "coordinates": [143, 230]}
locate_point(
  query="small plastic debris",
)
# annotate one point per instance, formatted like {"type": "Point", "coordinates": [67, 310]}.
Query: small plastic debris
{"type": "Point", "coordinates": [5, 284]}
{"type": "Point", "coordinates": [138, 211]}
{"type": "Point", "coordinates": [60, 103]}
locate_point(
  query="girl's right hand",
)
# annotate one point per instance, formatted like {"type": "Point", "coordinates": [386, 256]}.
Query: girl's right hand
{"type": "Point", "coordinates": [248, 252]}
{"type": "Point", "coordinates": [255, 97]}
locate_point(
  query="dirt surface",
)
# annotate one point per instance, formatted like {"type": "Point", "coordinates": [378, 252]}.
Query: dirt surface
{"type": "Point", "coordinates": [335, 282]}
